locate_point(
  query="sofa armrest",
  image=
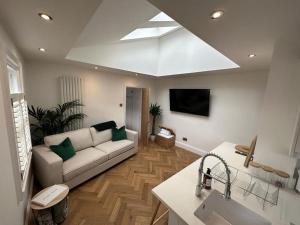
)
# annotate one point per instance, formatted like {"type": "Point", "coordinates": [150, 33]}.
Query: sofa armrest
{"type": "Point", "coordinates": [48, 167]}
{"type": "Point", "coordinates": [133, 136]}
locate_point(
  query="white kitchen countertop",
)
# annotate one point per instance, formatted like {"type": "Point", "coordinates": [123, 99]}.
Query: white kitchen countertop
{"type": "Point", "coordinates": [178, 192]}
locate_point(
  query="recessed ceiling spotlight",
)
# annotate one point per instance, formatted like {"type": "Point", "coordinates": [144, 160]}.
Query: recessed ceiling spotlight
{"type": "Point", "coordinates": [96, 67]}
{"type": "Point", "coordinates": [216, 14]}
{"type": "Point", "coordinates": [42, 49]}
{"type": "Point", "coordinates": [251, 55]}
{"type": "Point", "coordinates": [45, 16]}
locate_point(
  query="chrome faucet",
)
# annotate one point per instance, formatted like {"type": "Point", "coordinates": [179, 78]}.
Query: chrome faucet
{"type": "Point", "coordinates": [200, 184]}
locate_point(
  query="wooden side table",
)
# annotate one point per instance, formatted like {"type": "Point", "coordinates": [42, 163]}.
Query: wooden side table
{"type": "Point", "coordinates": [53, 213]}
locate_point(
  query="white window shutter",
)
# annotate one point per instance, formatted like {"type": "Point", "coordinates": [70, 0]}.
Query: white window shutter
{"type": "Point", "coordinates": [26, 125]}
{"type": "Point", "coordinates": [22, 131]}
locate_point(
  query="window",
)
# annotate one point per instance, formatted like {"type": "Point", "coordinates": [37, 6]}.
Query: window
{"type": "Point", "coordinates": [158, 26]}
{"type": "Point", "coordinates": [161, 17]}
{"type": "Point", "coordinates": [149, 32]}
{"type": "Point", "coordinates": [14, 79]}
{"type": "Point", "coordinates": [20, 119]}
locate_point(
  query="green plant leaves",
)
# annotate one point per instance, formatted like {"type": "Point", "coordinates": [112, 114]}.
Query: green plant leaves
{"type": "Point", "coordinates": [155, 110]}
{"type": "Point", "coordinates": [52, 121]}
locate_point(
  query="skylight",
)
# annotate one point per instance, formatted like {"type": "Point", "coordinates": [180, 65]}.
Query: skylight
{"type": "Point", "coordinates": [150, 32]}
{"type": "Point", "coordinates": [161, 17]}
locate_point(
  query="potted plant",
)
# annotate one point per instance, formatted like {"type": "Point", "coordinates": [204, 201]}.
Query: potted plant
{"type": "Point", "coordinates": [155, 111]}
{"type": "Point", "coordinates": [46, 122]}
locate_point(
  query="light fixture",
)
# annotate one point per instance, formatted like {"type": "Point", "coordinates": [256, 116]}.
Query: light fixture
{"type": "Point", "coordinates": [136, 74]}
{"type": "Point", "coordinates": [251, 55]}
{"type": "Point", "coordinates": [216, 14]}
{"type": "Point", "coordinates": [45, 16]}
{"type": "Point", "coordinates": [42, 49]}
{"type": "Point", "coordinates": [96, 67]}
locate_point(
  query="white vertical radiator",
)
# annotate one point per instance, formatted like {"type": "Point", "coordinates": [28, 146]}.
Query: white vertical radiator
{"type": "Point", "coordinates": [72, 89]}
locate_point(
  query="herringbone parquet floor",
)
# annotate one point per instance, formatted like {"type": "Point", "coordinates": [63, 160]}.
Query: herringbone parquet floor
{"type": "Point", "coordinates": [122, 195]}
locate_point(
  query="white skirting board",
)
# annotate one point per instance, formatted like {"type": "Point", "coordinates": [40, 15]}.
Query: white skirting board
{"type": "Point", "coordinates": [191, 148]}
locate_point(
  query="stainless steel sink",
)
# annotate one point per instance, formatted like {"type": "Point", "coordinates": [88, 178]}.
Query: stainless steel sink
{"type": "Point", "coordinates": [216, 210]}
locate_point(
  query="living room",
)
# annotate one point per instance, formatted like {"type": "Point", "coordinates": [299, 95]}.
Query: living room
{"type": "Point", "coordinates": [246, 56]}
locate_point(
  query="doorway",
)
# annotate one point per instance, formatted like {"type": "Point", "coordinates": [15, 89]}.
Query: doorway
{"type": "Point", "coordinates": [137, 112]}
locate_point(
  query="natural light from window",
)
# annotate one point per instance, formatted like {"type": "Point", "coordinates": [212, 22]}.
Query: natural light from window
{"type": "Point", "coordinates": [150, 32]}
{"type": "Point", "coordinates": [161, 17]}
{"type": "Point", "coordinates": [20, 120]}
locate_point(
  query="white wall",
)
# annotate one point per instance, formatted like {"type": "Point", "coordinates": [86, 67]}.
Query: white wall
{"type": "Point", "coordinates": [281, 105]}
{"type": "Point", "coordinates": [182, 52]}
{"type": "Point", "coordinates": [12, 210]}
{"type": "Point", "coordinates": [236, 101]}
{"type": "Point", "coordinates": [103, 93]}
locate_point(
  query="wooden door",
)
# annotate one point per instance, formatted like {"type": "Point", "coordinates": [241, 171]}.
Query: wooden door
{"type": "Point", "coordinates": [145, 116]}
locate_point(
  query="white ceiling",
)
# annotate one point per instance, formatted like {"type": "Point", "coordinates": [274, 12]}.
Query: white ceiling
{"type": "Point", "coordinates": [21, 21]}
{"type": "Point", "coordinates": [100, 43]}
{"type": "Point", "coordinates": [248, 26]}
{"type": "Point", "coordinates": [179, 52]}
{"type": "Point", "coordinates": [113, 19]}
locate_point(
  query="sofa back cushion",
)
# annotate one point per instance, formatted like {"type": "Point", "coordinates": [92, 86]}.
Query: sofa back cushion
{"type": "Point", "coordinates": [100, 137]}
{"type": "Point", "coordinates": [80, 139]}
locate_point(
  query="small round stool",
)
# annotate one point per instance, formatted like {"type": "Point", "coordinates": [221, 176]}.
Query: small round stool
{"type": "Point", "coordinates": [55, 211]}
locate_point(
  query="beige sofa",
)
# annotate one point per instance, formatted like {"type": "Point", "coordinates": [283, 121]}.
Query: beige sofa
{"type": "Point", "coordinates": [95, 153]}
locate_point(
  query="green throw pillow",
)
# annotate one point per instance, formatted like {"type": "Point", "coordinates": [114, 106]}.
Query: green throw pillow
{"type": "Point", "coordinates": [118, 134]}
{"type": "Point", "coordinates": [64, 150]}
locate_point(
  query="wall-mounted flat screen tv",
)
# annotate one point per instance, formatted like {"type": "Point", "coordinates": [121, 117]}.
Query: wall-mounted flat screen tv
{"type": "Point", "coordinates": [193, 101]}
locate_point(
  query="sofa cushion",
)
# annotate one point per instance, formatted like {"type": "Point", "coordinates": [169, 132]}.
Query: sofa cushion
{"type": "Point", "coordinates": [114, 148]}
{"type": "Point", "coordinates": [83, 160]}
{"type": "Point", "coordinates": [100, 136]}
{"type": "Point", "coordinates": [80, 139]}
{"type": "Point", "coordinates": [64, 150]}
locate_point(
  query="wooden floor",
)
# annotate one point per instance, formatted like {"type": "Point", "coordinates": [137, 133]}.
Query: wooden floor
{"type": "Point", "coordinates": [122, 195]}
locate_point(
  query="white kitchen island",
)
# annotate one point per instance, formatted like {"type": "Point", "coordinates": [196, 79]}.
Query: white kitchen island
{"type": "Point", "coordinates": [178, 193]}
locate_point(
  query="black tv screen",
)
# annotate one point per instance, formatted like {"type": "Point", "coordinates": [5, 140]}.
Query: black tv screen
{"type": "Point", "coordinates": [193, 101]}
